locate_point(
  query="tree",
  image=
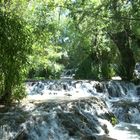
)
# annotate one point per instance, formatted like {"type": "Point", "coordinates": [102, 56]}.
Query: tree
{"type": "Point", "coordinates": [14, 50]}
{"type": "Point", "coordinates": [110, 31]}
{"type": "Point", "coordinates": [43, 19]}
{"type": "Point", "coordinates": [88, 40]}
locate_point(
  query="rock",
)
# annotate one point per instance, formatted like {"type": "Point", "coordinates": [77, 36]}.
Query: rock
{"type": "Point", "coordinates": [105, 129]}
{"type": "Point", "coordinates": [67, 94]}
{"type": "Point", "coordinates": [138, 91]}
{"type": "Point", "coordinates": [89, 138]}
{"type": "Point", "coordinates": [104, 137]}
{"type": "Point", "coordinates": [21, 136]}
{"type": "Point", "coordinates": [99, 87]}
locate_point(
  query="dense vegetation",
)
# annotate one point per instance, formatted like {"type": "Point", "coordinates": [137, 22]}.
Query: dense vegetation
{"type": "Point", "coordinates": [41, 38]}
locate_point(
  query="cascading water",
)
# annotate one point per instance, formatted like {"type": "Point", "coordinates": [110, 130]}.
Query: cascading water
{"type": "Point", "coordinates": [74, 110]}
{"type": "Point", "coordinates": [124, 102]}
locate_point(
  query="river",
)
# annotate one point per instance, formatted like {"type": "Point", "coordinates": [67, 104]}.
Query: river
{"type": "Point", "coordinates": [74, 110]}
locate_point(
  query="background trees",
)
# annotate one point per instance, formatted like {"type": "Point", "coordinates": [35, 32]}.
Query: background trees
{"type": "Point", "coordinates": [108, 27]}
{"type": "Point", "coordinates": [44, 20]}
{"type": "Point", "coordinates": [99, 38]}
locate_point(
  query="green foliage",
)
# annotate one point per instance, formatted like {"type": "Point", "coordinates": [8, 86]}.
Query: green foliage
{"type": "Point", "coordinates": [18, 92]}
{"type": "Point", "coordinates": [44, 22]}
{"type": "Point", "coordinates": [66, 33]}
{"type": "Point", "coordinates": [14, 50]}
{"type": "Point", "coordinates": [97, 28]}
{"type": "Point", "coordinates": [85, 70]}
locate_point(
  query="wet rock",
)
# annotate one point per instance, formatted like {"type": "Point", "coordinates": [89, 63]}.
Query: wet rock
{"type": "Point", "coordinates": [99, 87]}
{"type": "Point", "coordinates": [78, 119]}
{"type": "Point", "coordinates": [127, 111]}
{"type": "Point", "coordinates": [65, 87]}
{"type": "Point", "coordinates": [67, 94]}
{"type": "Point", "coordinates": [105, 129]}
{"type": "Point", "coordinates": [22, 135]}
{"type": "Point", "coordinates": [138, 91]}
{"type": "Point", "coordinates": [89, 138]}
{"type": "Point", "coordinates": [104, 137]}
{"type": "Point", "coordinates": [78, 122]}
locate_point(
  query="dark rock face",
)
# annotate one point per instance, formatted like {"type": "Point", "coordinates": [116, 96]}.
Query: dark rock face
{"type": "Point", "coordinates": [138, 91]}
{"type": "Point", "coordinates": [77, 119]}
{"type": "Point", "coordinates": [21, 136]}
{"type": "Point", "coordinates": [78, 122]}
{"type": "Point", "coordinates": [82, 124]}
{"type": "Point", "coordinates": [99, 87]}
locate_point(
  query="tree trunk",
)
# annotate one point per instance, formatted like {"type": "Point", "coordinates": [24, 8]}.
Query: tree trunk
{"type": "Point", "coordinates": [121, 39]}
{"type": "Point", "coordinates": [6, 95]}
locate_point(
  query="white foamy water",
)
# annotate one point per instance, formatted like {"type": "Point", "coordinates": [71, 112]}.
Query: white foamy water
{"type": "Point", "coordinates": [115, 93]}
{"type": "Point", "coordinates": [126, 131]}
{"type": "Point", "coordinates": [74, 110]}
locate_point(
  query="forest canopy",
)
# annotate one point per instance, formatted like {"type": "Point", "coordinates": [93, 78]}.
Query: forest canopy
{"type": "Point", "coordinates": [41, 38]}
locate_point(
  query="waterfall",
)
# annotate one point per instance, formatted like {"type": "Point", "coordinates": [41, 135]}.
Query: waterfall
{"type": "Point", "coordinates": [69, 109]}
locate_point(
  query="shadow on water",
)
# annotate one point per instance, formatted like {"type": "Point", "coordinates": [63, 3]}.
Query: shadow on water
{"type": "Point", "coordinates": [55, 119]}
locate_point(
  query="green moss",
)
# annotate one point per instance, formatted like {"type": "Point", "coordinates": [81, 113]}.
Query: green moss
{"type": "Point", "coordinates": [114, 121]}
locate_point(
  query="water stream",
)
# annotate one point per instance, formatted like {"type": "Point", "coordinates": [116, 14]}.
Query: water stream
{"type": "Point", "coordinates": [74, 110]}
